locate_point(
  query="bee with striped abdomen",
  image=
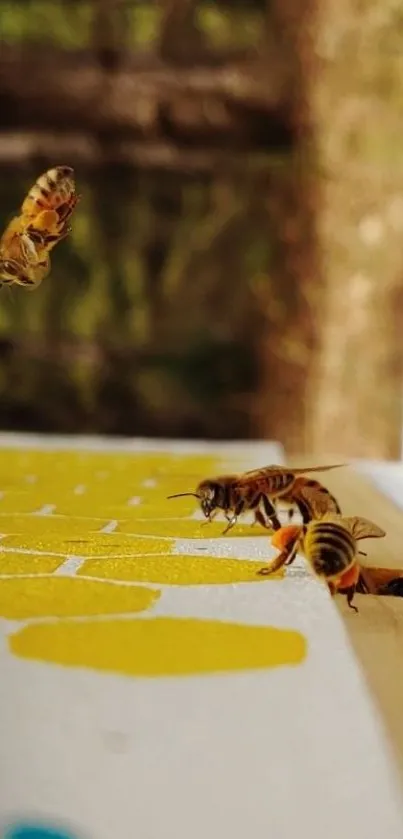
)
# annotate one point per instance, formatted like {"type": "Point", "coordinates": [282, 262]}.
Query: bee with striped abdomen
{"type": "Point", "coordinates": [258, 491]}
{"type": "Point", "coordinates": [311, 499]}
{"type": "Point", "coordinates": [330, 546]}
{"type": "Point", "coordinates": [42, 222]}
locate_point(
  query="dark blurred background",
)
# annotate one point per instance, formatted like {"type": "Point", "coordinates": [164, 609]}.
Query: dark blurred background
{"type": "Point", "coordinates": [235, 265]}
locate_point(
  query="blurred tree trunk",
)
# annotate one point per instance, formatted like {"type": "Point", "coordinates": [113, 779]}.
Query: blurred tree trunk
{"type": "Point", "coordinates": [357, 393]}
{"type": "Point", "coordinates": [179, 38]}
{"type": "Point", "coordinates": [109, 32]}
{"type": "Point", "coordinates": [290, 340]}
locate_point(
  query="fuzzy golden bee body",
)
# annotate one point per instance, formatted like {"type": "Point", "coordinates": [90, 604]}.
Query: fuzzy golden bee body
{"type": "Point", "coordinates": [259, 490]}
{"type": "Point", "coordinates": [330, 544]}
{"type": "Point", "coordinates": [42, 222]}
{"type": "Point", "coordinates": [310, 498]}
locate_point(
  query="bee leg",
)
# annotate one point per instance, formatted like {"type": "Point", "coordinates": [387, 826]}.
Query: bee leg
{"type": "Point", "coordinates": [231, 522]}
{"type": "Point", "coordinates": [35, 235]}
{"type": "Point", "coordinates": [260, 519]}
{"type": "Point", "coordinates": [332, 588]}
{"type": "Point", "coordinates": [304, 510]}
{"type": "Point", "coordinates": [64, 211]}
{"type": "Point", "coordinates": [350, 592]}
{"type": "Point", "coordinates": [254, 507]}
{"type": "Point", "coordinates": [239, 508]}
{"type": "Point", "coordinates": [65, 230]}
{"type": "Point", "coordinates": [50, 238]}
{"type": "Point", "coordinates": [271, 512]}
{"type": "Point", "coordinates": [209, 519]}
{"type": "Point", "coordinates": [277, 563]}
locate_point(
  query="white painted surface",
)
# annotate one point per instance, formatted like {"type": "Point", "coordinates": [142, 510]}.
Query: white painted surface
{"type": "Point", "coordinates": [386, 477]}
{"type": "Point", "coordinates": [261, 754]}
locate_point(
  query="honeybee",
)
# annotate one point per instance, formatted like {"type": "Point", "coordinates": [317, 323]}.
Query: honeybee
{"type": "Point", "coordinates": [330, 546]}
{"type": "Point", "coordinates": [311, 499]}
{"type": "Point", "coordinates": [42, 222]}
{"type": "Point", "coordinates": [383, 581]}
{"type": "Point", "coordinates": [258, 490]}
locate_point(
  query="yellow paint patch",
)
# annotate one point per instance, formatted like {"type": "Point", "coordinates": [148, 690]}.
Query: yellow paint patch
{"type": "Point", "coordinates": [160, 646]}
{"type": "Point", "coordinates": [50, 525]}
{"type": "Point", "coordinates": [177, 570]}
{"type": "Point", "coordinates": [21, 502]}
{"type": "Point", "coordinates": [69, 597]}
{"type": "Point", "coordinates": [189, 529]}
{"type": "Point", "coordinates": [17, 563]}
{"type": "Point", "coordinates": [146, 509]}
{"type": "Point", "coordinates": [179, 472]}
{"type": "Point", "coordinates": [90, 503]}
{"type": "Point", "coordinates": [94, 484]}
{"type": "Point", "coordinates": [99, 544]}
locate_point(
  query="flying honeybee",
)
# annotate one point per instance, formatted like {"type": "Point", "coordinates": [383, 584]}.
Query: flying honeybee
{"type": "Point", "coordinates": [330, 546]}
{"type": "Point", "coordinates": [42, 222]}
{"type": "Point", "coordinates": [258, 491]}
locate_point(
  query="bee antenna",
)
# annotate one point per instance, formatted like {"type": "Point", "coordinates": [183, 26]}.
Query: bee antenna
{"type": "Point", "coordinates": [183, 494]}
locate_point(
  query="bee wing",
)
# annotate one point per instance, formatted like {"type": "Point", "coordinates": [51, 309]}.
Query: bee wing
{"type": "Point", "coordinates": [302, 470]}
{"type": "Point", "coordinates": [274, 470]}
{"type": "Point", "coordinates": [361, 528]}
{"type": "Point", "coordinates": [337, 518]}
{"type": "Point", "coordinates": [261, 476]}
{"type": "Point", "coordinates": [317, 500]}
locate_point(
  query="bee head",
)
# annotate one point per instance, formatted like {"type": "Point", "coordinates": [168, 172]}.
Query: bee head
{"type": "Point", "coordinates": [207, 491]}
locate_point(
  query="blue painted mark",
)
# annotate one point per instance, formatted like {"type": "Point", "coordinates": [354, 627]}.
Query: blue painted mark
{"type": "Point", "coordinates": [32, 831]}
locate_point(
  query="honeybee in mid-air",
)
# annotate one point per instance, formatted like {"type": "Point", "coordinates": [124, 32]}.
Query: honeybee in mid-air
{"type": "Point", "coordinates": [330, 546]}
{"type": "Point", "coordinates": [258, 491]}
{"type": "Point", "coordinates": [42, 222]}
